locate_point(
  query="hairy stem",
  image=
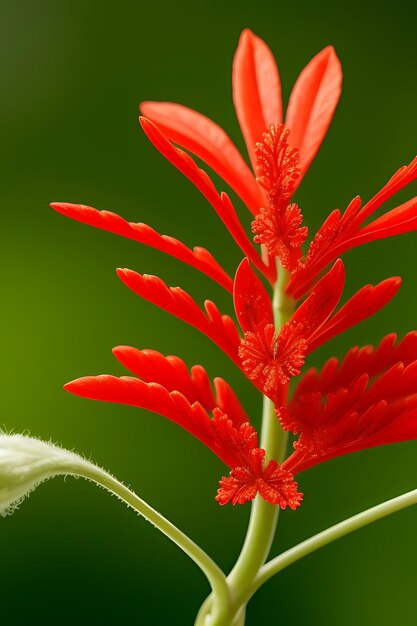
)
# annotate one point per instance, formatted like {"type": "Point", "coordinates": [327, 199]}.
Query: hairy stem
{"type": "Point", "coordinates": [215, 576]}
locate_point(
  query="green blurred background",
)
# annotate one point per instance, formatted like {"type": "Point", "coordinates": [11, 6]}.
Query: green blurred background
{"type": "Point", "coordinates": [73, 73]}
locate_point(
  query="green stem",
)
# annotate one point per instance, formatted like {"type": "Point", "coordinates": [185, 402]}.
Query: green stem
{"type": "Point", "coordinates": [264, 516]}
{"type": "Point", "coordinates": [330, 534]}
{"type": "Point", "coordinates": [215, 576]}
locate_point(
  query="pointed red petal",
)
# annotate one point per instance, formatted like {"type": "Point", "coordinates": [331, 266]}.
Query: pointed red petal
{"type": "Point", "coordinates": [312, 104]}
{"type": "Point", "coordinates": [322, 301]}
{"type": "Point", "coordinates": [357, 361]}
{"type": "Point", "coordinates": [229, 403]}
{"type": "Point", "coordinates": [365, 303]}
{"type": "Point", "coordinates": [172, 373]}
{"type": "Point", "coordinates": [402, 428]}
{"type": "Point", "coordinates": [256, 89]}
{"type": "Point", "coordinates": [208, 142]}
{"type": "Point", "coordinates": [218, 434]}
{"type": "Point", "coordinates": [363, 414]}
{"type": "Point", "coordinates": [327, 244]}
{"type": "Point", "coordinates": [341, 232]}
{"type": "Point", "coordinates": [149, 396]}
{"type": "Point", "coordinates": [199, 258]}
{"type": "Point", "coordinates": [403, 177]}
{"type": "Point", "coordinates": [169, 371]}
{"type": "Point", "coordinates": [219, 328]}
{"type": "Point", "coordinates": [252, 303]}
{"type": "Point", "coordinates": [221, 203]}
{"type": "Point", "coordinates": [402, 219]}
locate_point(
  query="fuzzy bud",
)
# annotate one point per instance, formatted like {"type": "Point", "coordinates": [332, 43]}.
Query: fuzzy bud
{"type": "Point", "coordinates": [25, 463]}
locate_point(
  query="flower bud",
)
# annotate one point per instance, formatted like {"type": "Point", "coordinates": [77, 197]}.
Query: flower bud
{"type": "Point", "coordinates": [25, 463]}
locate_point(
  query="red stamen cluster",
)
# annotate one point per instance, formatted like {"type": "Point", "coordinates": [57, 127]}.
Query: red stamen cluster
{"type": "Point", "coordinates": [272, 360]}
{"type": "Point", "coordinates": [278, 224]}
{"type": "Point", "coordinates": [277, 164]}
{"type": "Point", "coordinates": [250, 475]}
{"type": "Point", "coordinates": [273, 484]}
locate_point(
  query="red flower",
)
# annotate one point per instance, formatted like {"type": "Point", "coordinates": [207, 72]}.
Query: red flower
{"type": "Point", "coordinates": [371, 397]}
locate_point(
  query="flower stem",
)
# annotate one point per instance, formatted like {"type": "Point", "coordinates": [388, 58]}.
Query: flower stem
{"type": "Point", "coordinates": [264, 516]}
{"type": "Point", "coordinates": [215, 576]}
{"type": "Point", "coordinates": [330, 534]}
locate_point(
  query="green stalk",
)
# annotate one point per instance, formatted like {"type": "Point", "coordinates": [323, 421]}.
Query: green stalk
{"type": "Point", "coordinates": [330, 534]}
{"type": "Point", "coordinates": [264, 516]}
{"type": "Point", "coordinates": [215, 576]}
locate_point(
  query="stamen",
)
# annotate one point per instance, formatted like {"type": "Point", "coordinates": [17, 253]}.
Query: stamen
{"type": "Point", "coordinates": [274, 484]}
{"type": "Point", "coordinates": [277, 164]}
{"type": "Point", "coordinates": [278, 224]}
{"type": "Point", "coordinates": [271, 361]}
{"type": "Point", "coordinates": [281, 233]}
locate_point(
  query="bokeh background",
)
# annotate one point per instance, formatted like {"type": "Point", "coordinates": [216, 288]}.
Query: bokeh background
{"type": "Point", "coordinates": [72, 74]}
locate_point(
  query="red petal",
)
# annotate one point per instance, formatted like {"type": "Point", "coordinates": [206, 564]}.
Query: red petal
{"type": "Point", "coordinates": [209, 142]}
{"type": "Point", "coordinates": [357, 361]}
{"type": "Point", "coordinates": [149, 396]}
{"type": "Point", "coordinates": [402, 219]}
{"type": "Point", "coordinates": [252, 303]}
{"type": "Point", "coordinates": [229, 443]}
{"type": "Point", "coordinates": [221, 203]}
{"type": "Point", "coordinates": [340, 233]}
{"type": "Point", "coordinates": [172, 373]}
{"type": "Point", "coordinates": [219, 328]}
{"type": "Point", "coordinates": [366, 302]}
{"type": "Point", "coordinates": [322, 301]}
{"type": "Point", "coordinates": [404, 176]}
{"type": "Point", "coordinates": [256, 89]}
{"type": "Point", "coordinates": [168, 371]}
{"type": "Point", "coordinates": [312, 104]}
{"type": "Point", "coordinates": [229, 403]}
{"type": "Point", "coordinates": [369, 400]}
{"type": "Point", "coordinates": [324, 248]}
{"type": "Point", "coordinates": [199, 258]}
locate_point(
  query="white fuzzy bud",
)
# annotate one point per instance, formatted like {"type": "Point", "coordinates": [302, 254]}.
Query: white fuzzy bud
{"type": "Point", "coordinates": [25, 463]}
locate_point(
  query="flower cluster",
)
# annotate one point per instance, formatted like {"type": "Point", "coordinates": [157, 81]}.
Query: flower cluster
{"type": "Point", "coordinates": [370, 397]}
